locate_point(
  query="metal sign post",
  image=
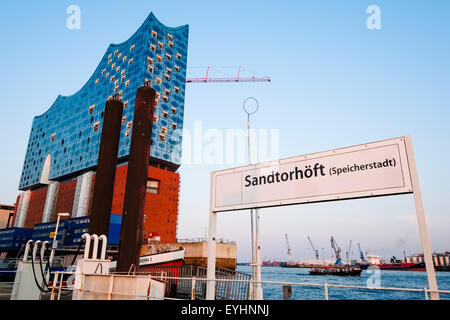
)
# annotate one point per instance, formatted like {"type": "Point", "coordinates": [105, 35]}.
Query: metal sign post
{"type": "Point", "coordinates": [254, 217]}
{"type": "Point", "coordinates": [421, 220]}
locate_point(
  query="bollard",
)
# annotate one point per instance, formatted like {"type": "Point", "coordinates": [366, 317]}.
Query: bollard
{"type": "Point", "coordinates": [287, 292]}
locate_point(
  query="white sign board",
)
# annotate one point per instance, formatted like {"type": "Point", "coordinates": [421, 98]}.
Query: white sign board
{"type": "Point", "coordinates": [367, 170]}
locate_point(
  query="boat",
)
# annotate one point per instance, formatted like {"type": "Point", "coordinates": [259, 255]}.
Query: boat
{"type": "Point", "coordinates": [159, 259]}
{"type": "Point", "coordinates": [402, 266]}
{"type": "Point", "coordinates": [336, 270]}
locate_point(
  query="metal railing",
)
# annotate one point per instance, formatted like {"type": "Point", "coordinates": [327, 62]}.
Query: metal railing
{"type": "Point", "coordinates": [191, 240]}
{"type": "Point", "coordinates": [227, 288]}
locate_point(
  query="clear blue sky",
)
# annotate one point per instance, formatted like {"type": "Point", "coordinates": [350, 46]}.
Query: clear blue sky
{"type": "Point", "coordinates": [334, 84]}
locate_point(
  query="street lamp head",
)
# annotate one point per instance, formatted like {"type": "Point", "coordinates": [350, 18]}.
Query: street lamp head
{"type": "Point", "coordinates": [64, 214]}
{"type": "Point", "coordinates": [249, 110]}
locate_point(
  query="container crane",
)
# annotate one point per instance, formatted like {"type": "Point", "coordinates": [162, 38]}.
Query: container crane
{"type": "Point", "coordinates": [248, 77]}
{"type": "Point", "coordinates": [289, 252]}
{"type": "Point", "coordinates": [348, 252]}
{"type": "Point", "coordinates": [337, 251]}
{"type": "Point", "coordinates": [361, 255]}
{"type": "Point", "coordinates": [316, 252]}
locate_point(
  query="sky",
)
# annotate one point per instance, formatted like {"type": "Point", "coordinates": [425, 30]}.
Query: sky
{"type": "Point", "coordinates": [334, 83]}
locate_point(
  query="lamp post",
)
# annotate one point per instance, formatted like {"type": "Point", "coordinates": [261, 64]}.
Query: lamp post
{"type": "Point", "coordinates": [55, 241]}
{"type": "Point", "coordinates": [254, 218]}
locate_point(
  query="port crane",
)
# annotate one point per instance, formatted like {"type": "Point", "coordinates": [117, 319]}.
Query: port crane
{"type": "Point", "coordinates": [249, 76]}
{"type": "Point", "coordinates": [361, 255]}
{"type": "Point", "coordinates": [348, 252]}
{"type": "Point", "coordinates": [337, 251]}
{"type": "Point", "coordinates": [316, 252]}
{"type": "Point", "coordinates": [289, 252]}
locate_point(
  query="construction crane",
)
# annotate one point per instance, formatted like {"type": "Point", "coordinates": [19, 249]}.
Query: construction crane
{"type": "Point", "coordinates": [225, 77]}
{"type": "Point", "coordinates": [316, 252]}
{"type": "Point", "coordinates": [289, 252]}
{"type": "Point", "coordinates": [361, 255]}
{"type": "Point", "coordinates": [337, 251]}
{"type": "Point", "coordinates": [348, 252]}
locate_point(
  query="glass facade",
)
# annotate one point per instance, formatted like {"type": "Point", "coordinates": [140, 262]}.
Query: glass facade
{"type": "Point", "coordinates": [66, 138]}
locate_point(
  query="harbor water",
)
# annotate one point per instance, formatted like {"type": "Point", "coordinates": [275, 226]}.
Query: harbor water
{"type": "Point", "coordinates": [384, 279]}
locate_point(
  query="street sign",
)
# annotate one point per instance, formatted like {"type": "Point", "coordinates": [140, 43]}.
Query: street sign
{"type": "Point", "coordinates": [367, 170]}
{"type": "Point", "coordinates": [52, 235]}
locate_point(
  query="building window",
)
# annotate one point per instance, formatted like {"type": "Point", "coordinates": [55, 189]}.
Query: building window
{"type": "Point", "coordinates": [91, 109]}
{"type": "Point", "coordinates": [110, 55]}
{"type": "Point", "coordinates": [124, 58]}
{"type": "Point", "coordinates": [125, 104]}
{"type": "Point", "coordinates": [103, 71]}
{"type": "Point", "coordinates": [152, 186]}
{"type": "Point", "coordinates": [127, 133]}
{"type": "Point", "coordinates": [120, 55]}
{"type": "Point", "coordinates": [113, 65]}
{"type": "Point", "coordinates": [158, 80]}
{"type": "Point", "coordinates": [174, 110]}
{"type": "Point", "coordinates": [159, 58]}
{"type": "Point", "coordinates": [154, 34]}
{"type": "Point", "coordinates": [52, 137]}
{"type": "Point", "coordinates": [152, 47]}
{"type": "Point", "coordinates": [160, 44]}
{"type": "Point", "coordinates": [176, 89]}
{"type": "Point", "coordinates": [107, 75]}
{"type": "Point", "coordinates": [96, 125]}
{"type": "Point", "coordinates": [118, 69]}
{"type": "Point", "coordinates": [166, 92]}
{"type": "Point", "coordinates": [162, 137]}
{"type": "Point", "coordinates": [177, 68]}
{"type": "Point", "coordinates": [129, 124]}
{"type": "Point", "coordinates": [168, 70]}
{"type": "Point", "coordinates": [116, 88]}
{"type": "Point", "coordinates": [158, 95]}
{"type": "Point", "coordinates": [165, 98]}
{"type": "Point", "coordinates": [151, 68]}
{"type": "Point", "coordinates": [122, 72]}
{"type": "Point", "coordinates": [155, 118]}
{"type": "Point", "coordinates": [115, 52]}
{"type": "Point", "coordinates": [112, 78]}
{"type": "Point", "coordinates": [122, 79]}
{"type": "Point", "coordinates": [96, 81]}
{"type": "Point", "coordinates": [132, 47]}
{"type": "Point", "coordinates": [124, 119]}
{"type": "Point", "coordinates": [149, 60]}
{"type": "Point", "coordinates": [178, 56]}
{"type": "Point", "coordinates": [170, 36]}
{"type": "Point", "coordinates": [130, 61]}
{"type": "Point", "coordinates": [170, 44]}
{"type": "Point", "coordinates": [168, 56]}
{"type": "Point", "coordinates": [166, 76]}
{"type": "Point", "coordinates": [165, 114]}
{"type": "Point", "coordinates": [163, 130]}
{"type": "Point", "coordinates": [110, 61]}
{"type": "Point", "coordinates": [127, 83]}
{"type": "Point", "coordinates": [174, 125]}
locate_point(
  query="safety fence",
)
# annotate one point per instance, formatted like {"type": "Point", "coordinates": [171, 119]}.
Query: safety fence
{"type": "Point", "coordinates": [194, 288]}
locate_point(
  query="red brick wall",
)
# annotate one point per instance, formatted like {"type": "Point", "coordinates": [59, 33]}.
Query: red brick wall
{"type": "Point", "coordinates": [64, 203]}
{"type": "Point", "coordinates": [161, 209]}
{"type": "Point", "coordinates": [36, 207]}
